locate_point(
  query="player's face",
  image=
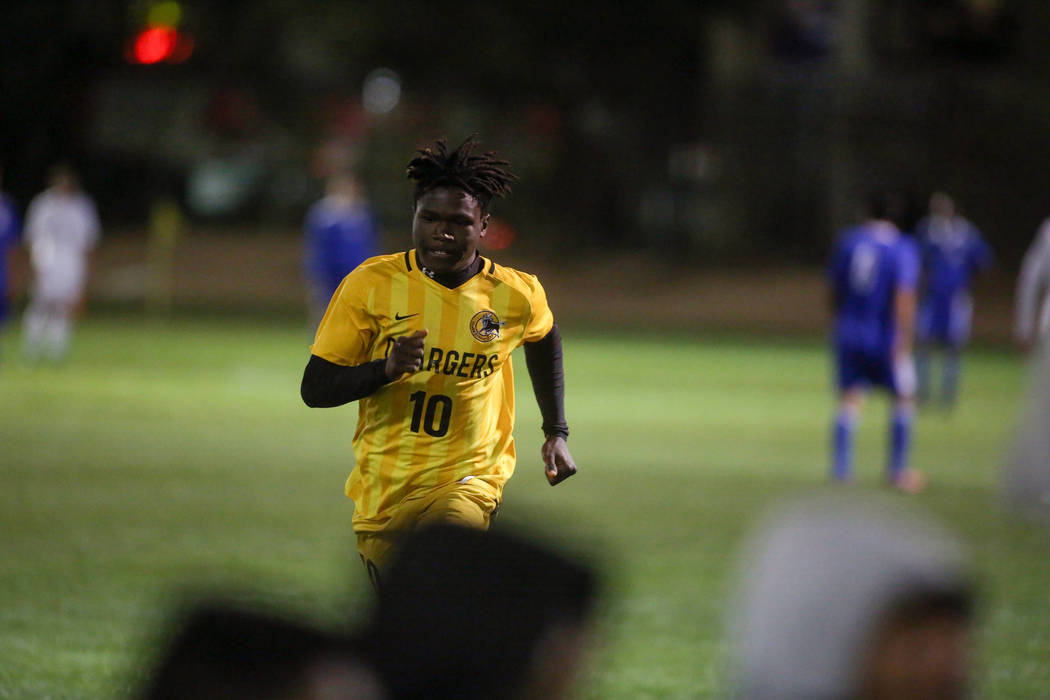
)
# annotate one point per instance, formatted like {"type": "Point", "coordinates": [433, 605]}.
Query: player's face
{"type": "Point", "coordinates": [446, 228]}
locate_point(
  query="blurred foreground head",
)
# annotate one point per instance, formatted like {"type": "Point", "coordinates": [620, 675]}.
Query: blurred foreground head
{"type": "Point", "coordinates": [221, 652]}
{"type": "Point", "coordinates": [465, 614]}
{"type": "Point", "coordinates": [846, 597]}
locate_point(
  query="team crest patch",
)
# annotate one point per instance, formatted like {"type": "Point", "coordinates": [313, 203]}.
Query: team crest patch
{"type": "Point", "coordinates": [485, 326]}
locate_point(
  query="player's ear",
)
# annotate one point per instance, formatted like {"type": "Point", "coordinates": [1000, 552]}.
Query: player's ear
{"type": "Point", "coordinates": [484, 225]}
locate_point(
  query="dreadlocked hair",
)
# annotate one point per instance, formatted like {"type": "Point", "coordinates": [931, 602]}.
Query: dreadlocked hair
{"type": "Point", "coordinates": [482, 175]}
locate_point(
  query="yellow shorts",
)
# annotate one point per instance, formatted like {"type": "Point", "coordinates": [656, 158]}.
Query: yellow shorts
{"type": "Point", "coordinates": [470, 504]}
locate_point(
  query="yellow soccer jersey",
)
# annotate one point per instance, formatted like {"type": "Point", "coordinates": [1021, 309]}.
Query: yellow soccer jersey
{"type": "Point", "coordinates": [453, 418]}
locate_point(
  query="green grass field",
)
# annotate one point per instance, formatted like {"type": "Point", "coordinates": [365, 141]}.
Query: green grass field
{"type": "Point", "coordinates": [175, 457]}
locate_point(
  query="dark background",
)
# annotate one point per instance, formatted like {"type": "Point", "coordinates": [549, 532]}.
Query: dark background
{"type": "Point", "coordinates": [710, 132]}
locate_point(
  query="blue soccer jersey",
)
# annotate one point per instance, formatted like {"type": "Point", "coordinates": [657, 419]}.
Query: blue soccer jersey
{"type": "Point", "coordinates": [872, 263]}
{"type": "Point", "coordinates": [339, 237]}
{"type": "Point", "coordinates": [952, 250]}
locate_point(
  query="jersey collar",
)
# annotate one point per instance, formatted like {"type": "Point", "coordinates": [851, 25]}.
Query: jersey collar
{"type": "Point", "coordinates": [453, 280]}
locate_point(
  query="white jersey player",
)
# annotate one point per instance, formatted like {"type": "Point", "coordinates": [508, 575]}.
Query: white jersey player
{"type": "Point", "coordinates": [1032, 318]}
{"type": "Point", "coordinates": [61, 228]}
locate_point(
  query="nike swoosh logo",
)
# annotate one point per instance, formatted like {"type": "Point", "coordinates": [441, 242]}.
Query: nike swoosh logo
{"type": "Point", "coordinates": [399, 317]}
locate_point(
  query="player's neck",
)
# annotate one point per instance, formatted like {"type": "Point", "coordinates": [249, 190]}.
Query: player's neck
{"type": "Point", "coordinates": [456, 277]}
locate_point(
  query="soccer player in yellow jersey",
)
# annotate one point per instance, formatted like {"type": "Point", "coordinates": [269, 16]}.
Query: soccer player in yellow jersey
{"type": "Point", "coordinates": [423, 340]}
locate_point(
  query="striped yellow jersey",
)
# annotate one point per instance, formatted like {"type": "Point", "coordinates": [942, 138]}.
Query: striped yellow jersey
{"type": "Point", "coordinates": [453, 418]}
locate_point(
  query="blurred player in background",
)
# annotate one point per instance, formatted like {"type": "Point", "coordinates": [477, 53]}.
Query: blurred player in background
{"type": "Point", "coordinates": [62, 227]}
{"type": "Point", "coordinates": [952, 250]}
{"type": "Point", "coordinates": [341, 233]}
{"type": "Point", "coordinates": [423, 339]}
{"type": "Point", "coordinates": [847, 597]}
{"type": "Point", "coordinates": [10, 227]}
{"type": "Point", "coordinates": [874, 277]}
{"type": "Point", "coordinates": [1032, 313]}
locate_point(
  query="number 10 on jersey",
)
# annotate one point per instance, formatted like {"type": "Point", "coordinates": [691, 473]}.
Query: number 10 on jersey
{"type": "Point", "coordinates": [433, 414]}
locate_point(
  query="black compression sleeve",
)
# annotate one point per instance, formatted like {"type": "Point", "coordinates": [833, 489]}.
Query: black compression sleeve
{"type": "Point", "coordinates": [326, 384]}
{"type": "Point", "coordinates": [543, 359]}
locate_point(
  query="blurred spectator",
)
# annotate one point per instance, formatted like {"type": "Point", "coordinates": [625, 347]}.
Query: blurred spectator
{"type": "Point", "coordinates": [1027, 473]}
{"type": "Point", "coordinates": [952, 250]}
{"type": "Point", "coordinates": [465, 613]}
{"type": "Point", "coordinates": [341, 232]}
{"type": "Point", "coordinates": [874, 274]}
{"type": "Point", "coordinates": [1032, 313]}
{"type": "Point", "coordinates": [221, 652]}
{"type": "Point", "coordinates": [10, 227]}
{"type": "Point", "coordinates": [61, 229]}
{"type": "Point", "coordinates": [844, 597]}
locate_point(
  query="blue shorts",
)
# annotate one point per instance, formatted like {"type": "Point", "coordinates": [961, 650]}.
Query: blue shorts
{"type": "Point", "coordinates": [945, 319]}
{"type": "Point", "coordinates": [861, 368]}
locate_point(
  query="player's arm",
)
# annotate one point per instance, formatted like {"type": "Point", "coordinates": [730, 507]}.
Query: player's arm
{"type": "Point", "coordinates": [905, 303]}
{"type": "Point", "coordinates": [327, 384]}
{"type": "Point", "coordinates": [544, 361]}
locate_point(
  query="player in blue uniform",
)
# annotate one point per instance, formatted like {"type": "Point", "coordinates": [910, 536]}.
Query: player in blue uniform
{"type": "Point", "coordinates": [874, 276]}
{"type": "Point", "coordinates": [341, 232]}
{"type": "Point", "coordinates": [10, 226]}
{"type": "Point", "coordinates": [952, 250]}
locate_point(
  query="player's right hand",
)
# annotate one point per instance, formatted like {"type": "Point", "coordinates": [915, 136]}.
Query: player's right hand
{"type": "Point", "coordinates": [406, 355]}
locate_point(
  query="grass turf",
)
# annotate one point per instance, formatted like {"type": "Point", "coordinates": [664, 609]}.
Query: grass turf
{"type": "Point", "coordinates": [169, 458]}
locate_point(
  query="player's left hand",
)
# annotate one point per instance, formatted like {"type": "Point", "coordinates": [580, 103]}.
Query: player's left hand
{"type": "Point", "coordinates": [557, 460]}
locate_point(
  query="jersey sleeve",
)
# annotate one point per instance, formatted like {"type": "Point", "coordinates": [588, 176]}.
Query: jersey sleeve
{"type": "Point", "coordinates": [346, 331]}
{"type": "Point", "coordinates": [541, 318]}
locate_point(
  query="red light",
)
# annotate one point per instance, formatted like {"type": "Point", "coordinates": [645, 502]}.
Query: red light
{"type": "Point", "coordinates": [155, 44]}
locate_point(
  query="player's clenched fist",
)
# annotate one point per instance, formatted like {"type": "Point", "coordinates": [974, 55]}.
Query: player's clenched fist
{"type": "Point", "coordinates": [406, 355]}
{"type": "Point", "coordinates": [559, 465]}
